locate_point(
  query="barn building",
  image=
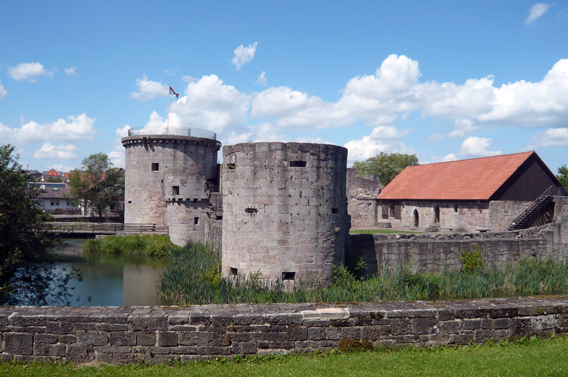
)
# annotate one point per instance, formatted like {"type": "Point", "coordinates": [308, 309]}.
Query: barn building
{"type": "Point", "coordinates": [475, 195]}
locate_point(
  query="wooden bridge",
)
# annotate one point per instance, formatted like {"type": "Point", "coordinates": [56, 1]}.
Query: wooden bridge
{"type": "Point", "coordinates": [107, 228]}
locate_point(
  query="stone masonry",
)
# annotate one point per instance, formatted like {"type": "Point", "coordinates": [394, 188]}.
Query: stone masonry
{"type": "Point", "coordinates": [362, 193]}
{"type": "Point", "coordinates": [122, 335]}
{"type": "Point", "coordinates": [284, 209]}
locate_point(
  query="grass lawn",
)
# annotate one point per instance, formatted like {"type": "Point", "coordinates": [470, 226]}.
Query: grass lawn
{"type": "Point", "coordinates": [380, 231]}
{"type": "Point", "coordinates": [532, 357]}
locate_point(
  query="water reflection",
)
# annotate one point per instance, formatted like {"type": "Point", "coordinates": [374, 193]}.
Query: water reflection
{"type": "Point", "coordinates": [110, 280]}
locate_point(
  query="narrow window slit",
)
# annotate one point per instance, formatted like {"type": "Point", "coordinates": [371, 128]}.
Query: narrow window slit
{"type": "Point", "coordinates": [298, 164]}
{"type": "Point", "coordinates": [288, 276]}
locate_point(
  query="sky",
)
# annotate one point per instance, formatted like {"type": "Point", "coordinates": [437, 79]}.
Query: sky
{"type": "Point", "coordinates": [444, 80]}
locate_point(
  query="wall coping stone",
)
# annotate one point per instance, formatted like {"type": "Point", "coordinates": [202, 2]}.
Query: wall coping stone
{"type": "Point", "coordinates": [157, 334]}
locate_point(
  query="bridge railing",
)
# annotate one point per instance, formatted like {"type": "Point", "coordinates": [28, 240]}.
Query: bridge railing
{"type": "Point", "coordinates": [107, 228]}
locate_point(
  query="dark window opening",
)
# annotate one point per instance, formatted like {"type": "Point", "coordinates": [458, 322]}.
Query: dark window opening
{"type": "Point", "coordinates": [251, 210]}
{"type": "Point", "coordinates": [196, 221]}
{"type": "Point", "coordinates": [416, 219]}
{"type": "Point", "coordinates": [130, 202]}
{"type": "Point", "coordinates": [385, 211]}
{"type": "Point", "coordinates": [233, 271]}
{"type": "Point", "coordinates": [219, 217]}
{"type": "Point", "coordinates": [231, 166]}
{"type": "Point", "coordinates": [288, 276]}
{"type": "Point", "coordinates": [437, 215]}
{"type": "Point", "coordinates": [175, 190]}
{"type": "Point", "coordinates": [155, 166]}
{"type": "Point", "coordinates": [298, 164]}
{"type": "Point", "coordinates": [455, 207]}
{"type": "Point", "coordinates": [335, 211]}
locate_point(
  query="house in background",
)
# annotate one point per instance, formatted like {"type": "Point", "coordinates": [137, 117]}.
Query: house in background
{"type": "Point", "coordinates": [54, 198]}
{"type": "Point", "coordinates": [480, 194]}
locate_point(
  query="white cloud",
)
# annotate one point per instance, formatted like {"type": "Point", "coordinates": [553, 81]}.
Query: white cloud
{"type": "Point", "coordinates": [148, 89]}
{"type": "Point", "coordinates": [261, 79]}
{"type": "Point", "coordinates": [61, 168]}
{"type": "Point", "coordinates": [450, 157]}
{"type": "Point", "coordinates": [188, 78]}
{"type": "Point", "coordinates": [172, 72]}
{"type": "Point", "coordinates": [117, 156]}
{"type": "Point", "coordinates": [536, 11]}
{"type": "Point", "coordinates": [462, 128]}
{"type": "Point", "coordinates": [382, 139]}
{"type": "Point", "coordinates": [28, 71]}
{"type": "Point", "coordinates": [553, 137]}
{"type": "Point", "coordinates": [71, 71]}
{"type": "Point", "coordinates": [3, 92]}
{"type": "Point", "coordinates": [477, 146]}
{"type": "Point", "coordinates": [64, 152]}
{"type": "Point", "coordinates": [243, 55]}
{"type": "Point", "coordinates": [76, 128]}
{"type": "Point", "coordinates": [212, 105]}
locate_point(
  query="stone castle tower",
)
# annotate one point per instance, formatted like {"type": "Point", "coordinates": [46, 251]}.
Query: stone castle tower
{"type": "Point", "coordinates": [284, 209]}
{"type": "Point", "coordinates": [170, 175]}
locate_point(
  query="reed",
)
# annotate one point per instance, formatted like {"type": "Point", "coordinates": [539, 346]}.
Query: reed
{"type": "Point", "coordinates": [136, 245]}
{"type": "Point", "coordinates": [193, 276]}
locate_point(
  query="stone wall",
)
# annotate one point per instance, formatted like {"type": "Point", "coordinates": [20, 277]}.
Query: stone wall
{"type": "Point", "coordinates": [284, 209]}
{"type": "Point", "coordinates": [121, 335]}
{"type": "Point", "coordinates": [214, 235]}
{"type": "Point", "coordinates": [438, 252]}
{"type": "Point", "coordinates": [362, 193]}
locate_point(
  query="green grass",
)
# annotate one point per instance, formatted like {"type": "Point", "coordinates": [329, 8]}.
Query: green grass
{"type": "Point", "coordinates": [527, 357]}
{"type": "Point", "coordinates": [193, 277]}
{"type": "Point", "coordinates": [381, 231]}
{"type": "Point", "coordinates": [137, 245]}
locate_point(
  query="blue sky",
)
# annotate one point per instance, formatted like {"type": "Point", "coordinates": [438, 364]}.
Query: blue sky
{"type": "Point", "coordinates": [440, 79]}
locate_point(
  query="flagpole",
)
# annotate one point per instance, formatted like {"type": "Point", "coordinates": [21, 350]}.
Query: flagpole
{"type": "Point", "coordinates": [168, 119]}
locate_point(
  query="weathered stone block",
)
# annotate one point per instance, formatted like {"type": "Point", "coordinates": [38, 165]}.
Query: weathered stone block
{"type": "Point", "coordinates": [244, 348]}
{"type": "Point", "coordinates": [148, 323]}
{"type": "Point", "coordinates": [167, 339]}
{"type": "Point", "coordinates": [501, 323]}
{"type": "Point", "coordinates": [450, 327]}
{"type": "Point", "coordinates": [424, 325]}
{"type": "Point", "coordinates": [93, 338]}
{"type": "Point", "coordinates": [316, 333]}
{"type": "Point", "coordinates": [45, 338]}
{"type": "Point", "coordinates": [122, 339]}
{"type": "Point", "coordinates": [18, 343]}
{"type": "Point", "coordinates": [59, 327]}
{"type": "Point", "coordinates": [77, 353]}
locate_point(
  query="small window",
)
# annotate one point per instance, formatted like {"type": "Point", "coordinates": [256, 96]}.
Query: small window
{"type": "Point", "coordinates": [398, 211]}
{"type": "Point", "coordinates": [385, 211]}
{"type": "Point", "coordinates": [155, 166]}
{"type": "Point", "coordinates": [233, 271]}
{"type": "Point", "coordinates": [130, 202]}
{"type": "Point", "coordinates": [298, 164]}
{"type": "Point", "coordinates": [251, 210]}
{"type": "Point", "coordinates": [231, 166]}
{"type": "Point", "coordinates": [196, 221]}
{"type": "Point", "coordinates": [175, 190]}
{"type": "Point", "coordinates": [219, 217]}
{"type": "Point", "coordinates": [455, 207]}
{"type": "Point", "coordinates": [335, 211]}
{"type": "Point", "coordinates": [288, 276]}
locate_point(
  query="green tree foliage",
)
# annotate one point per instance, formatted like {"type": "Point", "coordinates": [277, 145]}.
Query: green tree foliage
{"type": "Point", "coordinates": [563, 175]}
{"type": "Point", "coordinates": [385, 166]}
{"type": "Point", "coordinates": [26, 263]}
{"type": "Point", "coordinates": [97, 185]}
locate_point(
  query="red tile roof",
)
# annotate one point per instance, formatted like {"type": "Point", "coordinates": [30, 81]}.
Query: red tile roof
{"type": "Point", "coordinates": [473, 179]}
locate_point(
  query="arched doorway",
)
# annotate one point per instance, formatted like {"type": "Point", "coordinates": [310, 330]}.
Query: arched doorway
{"type": "Point", "coordinates": [437, 214]}
{"type": "Point", "coordinates": [416, 220]}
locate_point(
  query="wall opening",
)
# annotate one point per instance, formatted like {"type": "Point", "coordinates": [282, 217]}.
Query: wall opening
{"type": "Point", "coordinates": [175, 190]}
{"type": "Point", "coordinates": [251, 210]}
{"type": "Point", "coordinates": [398, 211]}
{"type": "Point", "coordinates": [231, 166]}
{"type": "Point", "coordinates": [437, 214]}
{"type": "Point", "coordinates": [298, 164]}
{"type": "Point", "coordinates": [155, 166]}
{"type": "Point", "coordinates": [288, 276]}
{"type": "Point", "coordinates": [416, 219]}
{"type": "Point", "coordinates": [335, 211]}
{"type": "Point", "coordinates": [455, 207]}
{"type": "Point", "coordinates": [385, 211]}
{"type": "Point", "coordinates": [233, 271]}
{"type": "Point", "coordinates": [196, 221]}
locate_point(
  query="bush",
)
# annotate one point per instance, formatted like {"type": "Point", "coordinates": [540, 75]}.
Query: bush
{"type": "Point", "coordinates": [136, 245]}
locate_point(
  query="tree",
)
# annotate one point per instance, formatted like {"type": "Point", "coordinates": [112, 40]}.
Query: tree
{"type": "Point", "coordinates": [385, 166]}
{"type": "Point", "coordinates": [27, 275]}
{"type": "Point", "coordinates": [98, 185]}
{"type": "Point", "coordinates": [563, 175]}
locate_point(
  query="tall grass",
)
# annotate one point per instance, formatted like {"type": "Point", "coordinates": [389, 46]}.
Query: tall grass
{"type": "Point", "coordinates": [193, 277]}
{"type": "Point", "coordinates": [136, 245]}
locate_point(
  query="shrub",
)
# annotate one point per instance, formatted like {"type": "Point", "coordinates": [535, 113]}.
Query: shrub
{"type": "Point", "coordinates": [471, 259]}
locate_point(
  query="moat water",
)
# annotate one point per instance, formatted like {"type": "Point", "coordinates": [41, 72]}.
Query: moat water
{"type": "Point", "coordinates": [110, 280]}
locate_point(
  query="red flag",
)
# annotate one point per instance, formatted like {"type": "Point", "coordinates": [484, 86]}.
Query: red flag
{"type": "Point", "coordinates": [172, 91]}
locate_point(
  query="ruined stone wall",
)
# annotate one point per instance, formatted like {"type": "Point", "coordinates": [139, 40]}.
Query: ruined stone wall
{"type": "Point", "coordinates": [284, 209]}
{"type": "Point", "coordinates": [214, 235]}
{"type": "Point", "coordinates": [155, 164]}
{"type": "Point", "coordinates": [186, 221]}
{"type": "Point", "coordinates": [121, 335]}
{"type": "Point", "coordinates": [362, 193]}
{"type": "Point", "coordinates": [503, 213]}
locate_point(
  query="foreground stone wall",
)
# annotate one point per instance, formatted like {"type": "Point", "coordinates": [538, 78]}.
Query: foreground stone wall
{"type": "Point", "coordinates": [129, 334]}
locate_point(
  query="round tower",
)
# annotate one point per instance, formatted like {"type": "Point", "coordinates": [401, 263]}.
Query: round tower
{"type": "Point", "coordinates": [169, 178]}
{"type": "Point", "coordinates": [284, 209]}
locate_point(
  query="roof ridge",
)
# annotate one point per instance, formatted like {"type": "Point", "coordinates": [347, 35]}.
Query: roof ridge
{"type": "Point", "coordinates": [473, 158]}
